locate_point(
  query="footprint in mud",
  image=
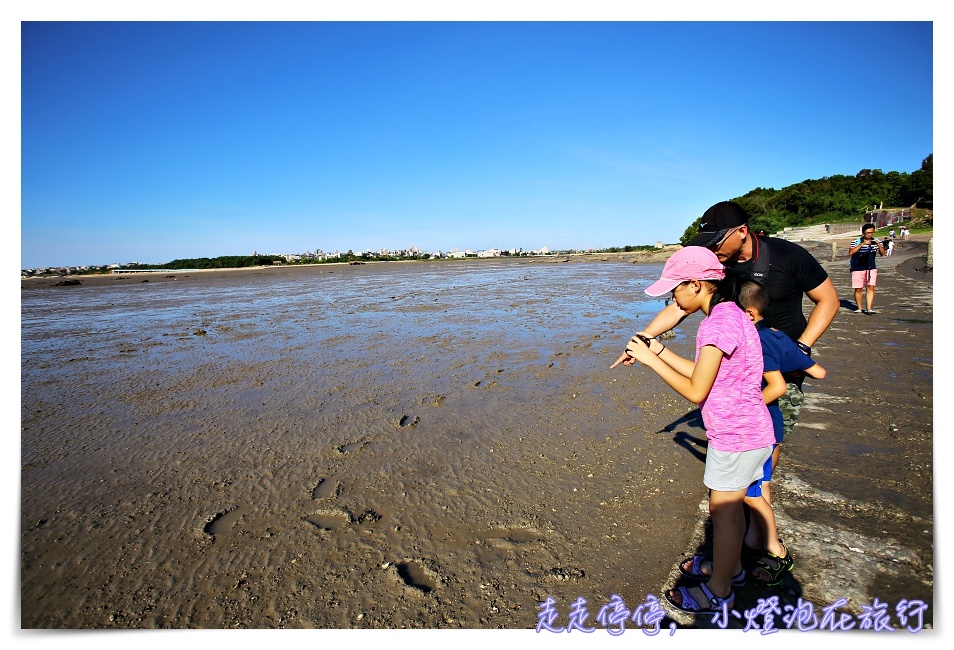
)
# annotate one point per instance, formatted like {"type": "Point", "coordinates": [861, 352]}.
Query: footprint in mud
{"type": "Point", "coordinates": [496, 546]}
{"type": "Point", "coordinates": [223, 521]}
{"type": "Point", "coordinates": [329, 519]}
{"type": "Point", "coordinates": [417, 576]}
{"type": "Point", "coordinates": [408, 421]}
{"type": "Point", "coordinates": [352, 446]}
{"type": "Point", "coordinates": [368, 516]}
{"type": "Point", "coordinates": [513, 535]}
{"type": "Point", "coordinates": [565, 574]}
{"type": "Point", "coordinates": [326, 487]}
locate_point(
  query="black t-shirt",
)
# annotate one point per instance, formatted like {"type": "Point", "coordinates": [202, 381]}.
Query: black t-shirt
{"type": "Point", "coordinates": [793, 271]}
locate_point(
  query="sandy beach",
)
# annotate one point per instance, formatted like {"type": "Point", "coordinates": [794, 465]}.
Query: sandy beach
{"type": "Point", "coordinates": [247, 465]}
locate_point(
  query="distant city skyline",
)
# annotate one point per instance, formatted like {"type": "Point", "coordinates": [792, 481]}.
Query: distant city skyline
{"type": "Point", "coordinates": [166, 140]}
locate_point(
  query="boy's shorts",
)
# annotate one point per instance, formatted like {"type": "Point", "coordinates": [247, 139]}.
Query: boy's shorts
{"type": "Point", "coordinates": [862, 279]}
{"type": "Point", "coordinates": [778, 419]}
{"type": "Point", "coordinates": [755, 490]}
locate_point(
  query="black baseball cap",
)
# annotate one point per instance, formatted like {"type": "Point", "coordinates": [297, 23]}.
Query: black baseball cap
{"type": "Point", "coordinates": [717, 221]}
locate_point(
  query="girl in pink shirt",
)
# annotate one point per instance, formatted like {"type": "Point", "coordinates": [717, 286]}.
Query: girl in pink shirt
{"type": "Point", "coordinates": [726, 381]}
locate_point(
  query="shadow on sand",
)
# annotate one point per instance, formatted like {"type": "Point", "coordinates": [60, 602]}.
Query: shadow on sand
{"type": "Point", "coordinates": [693, 444]}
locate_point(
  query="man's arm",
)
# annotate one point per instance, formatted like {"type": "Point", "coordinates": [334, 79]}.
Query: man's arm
{"type": "Point", "coordinates": [670, 316]}
{"type": "Point", "coordinates": [823, 313]}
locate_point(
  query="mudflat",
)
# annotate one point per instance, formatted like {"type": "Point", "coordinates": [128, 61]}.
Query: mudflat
{"type": "Point", "coordinates": [437, 451]}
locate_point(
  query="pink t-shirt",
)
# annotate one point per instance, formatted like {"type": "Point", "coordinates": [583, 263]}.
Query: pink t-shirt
{"type": "Point", "coordinates": [734, 414]}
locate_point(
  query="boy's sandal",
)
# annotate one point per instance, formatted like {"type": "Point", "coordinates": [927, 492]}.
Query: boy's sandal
{"type": "Point", "coordinates": [775, 574]}
{"type": "Point", "coordinates": [751, 555]}
{"type": "Point", "coordinates": [689, 604]}
{"type": "Point", "coordinates": [695, 571]}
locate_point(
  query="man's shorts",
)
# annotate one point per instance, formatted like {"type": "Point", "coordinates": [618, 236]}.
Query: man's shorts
{"type": "Point", "coordinates": [791, 405]}
{"type": "Point", "coordinates": [862, 279]}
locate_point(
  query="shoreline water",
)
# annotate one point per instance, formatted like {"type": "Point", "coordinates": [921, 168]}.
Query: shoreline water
{"type": "Point", "coordinates": [635, 257]}
{"type": "Point", "coordinates": [440, 507]}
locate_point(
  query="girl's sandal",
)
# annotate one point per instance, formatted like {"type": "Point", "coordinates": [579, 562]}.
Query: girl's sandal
{"type": "Point", "coordinates": [695, 571]}
{"type": "Point", "coordinates": [690, 605]}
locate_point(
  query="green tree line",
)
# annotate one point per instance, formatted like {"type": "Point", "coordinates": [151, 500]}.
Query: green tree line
{"type": "Point", "coordinates": [833, 199]}
{"type": "Point", "coordinates": [222, 262]}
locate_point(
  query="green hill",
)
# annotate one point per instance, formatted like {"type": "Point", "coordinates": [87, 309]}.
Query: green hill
{"type": "Point", "coordinates": [836, 199]}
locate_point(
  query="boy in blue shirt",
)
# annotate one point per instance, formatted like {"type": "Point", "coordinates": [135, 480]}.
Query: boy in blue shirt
{"type": "Point", "coordinates": [769, 561]}
{"type": "Point", "coordinates": [780, 355]}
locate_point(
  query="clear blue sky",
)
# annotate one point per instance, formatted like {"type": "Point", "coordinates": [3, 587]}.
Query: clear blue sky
{"type": "Point", "coordinates": [152, 141]}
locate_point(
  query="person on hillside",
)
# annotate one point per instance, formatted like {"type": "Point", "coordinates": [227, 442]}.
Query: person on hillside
{"type": "Point", "coordinates": [864, 252]}
{"type": "Point", "coordinates": [725, 381]}
{"type": "Point", "coordinates": [785, 269]}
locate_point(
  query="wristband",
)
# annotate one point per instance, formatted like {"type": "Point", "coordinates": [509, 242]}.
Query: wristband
{"type": "Point", "coordinates": [804, 348]}
{"type": "Point", "coordinates": [661, 351]}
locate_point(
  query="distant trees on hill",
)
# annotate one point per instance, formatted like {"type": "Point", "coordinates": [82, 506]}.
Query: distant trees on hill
{"type": "Point", "coordinates": [833, 198]}
{"type": "Point", "coordinates": [223, 262]}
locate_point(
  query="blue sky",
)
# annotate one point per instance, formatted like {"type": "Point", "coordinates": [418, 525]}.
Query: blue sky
{"type": "Point", "coordinates": [152, 141]}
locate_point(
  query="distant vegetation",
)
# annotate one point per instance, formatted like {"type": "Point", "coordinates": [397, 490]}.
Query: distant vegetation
{"type": "Point", "coordinates": [223, 262]}
{"type": "Point", "coordinates": [627, 249]}
{"type": "Point", "coordinates": [835, 199]}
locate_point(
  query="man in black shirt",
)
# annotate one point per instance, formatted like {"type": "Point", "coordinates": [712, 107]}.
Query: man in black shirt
{"type": "Point", "coordinates": [786, 270]}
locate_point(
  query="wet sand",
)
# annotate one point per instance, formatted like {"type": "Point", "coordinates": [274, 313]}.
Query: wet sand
{"type": "Point", "coordinates": [442, 481]}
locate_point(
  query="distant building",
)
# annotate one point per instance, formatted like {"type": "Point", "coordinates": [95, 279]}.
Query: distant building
{"type": "Point", "coordinates": [881, 218]}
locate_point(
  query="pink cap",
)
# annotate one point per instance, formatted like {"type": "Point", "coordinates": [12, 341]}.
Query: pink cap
{"type": "Point", "coordinates": [689, 263]}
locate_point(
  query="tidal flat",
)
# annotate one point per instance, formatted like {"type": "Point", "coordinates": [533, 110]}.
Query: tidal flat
{"type": "Point", "coordinates": [426, 446]}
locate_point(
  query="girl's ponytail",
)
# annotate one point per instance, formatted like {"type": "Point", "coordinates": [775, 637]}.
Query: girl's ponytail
{"type": "Point", "coordinates": [727, 289]}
